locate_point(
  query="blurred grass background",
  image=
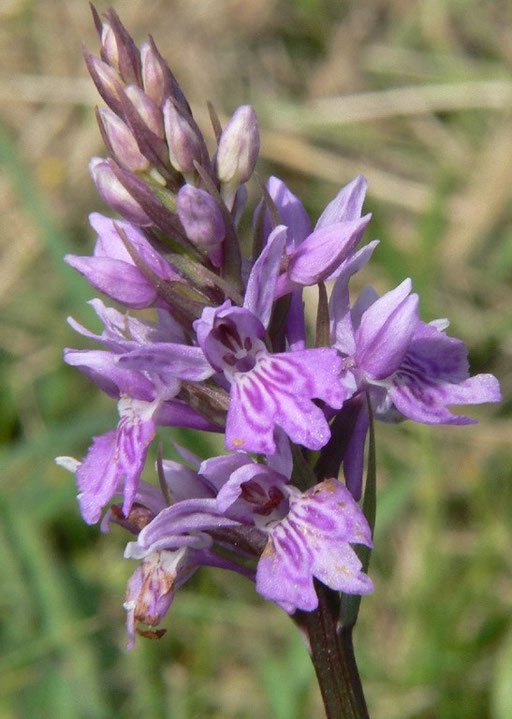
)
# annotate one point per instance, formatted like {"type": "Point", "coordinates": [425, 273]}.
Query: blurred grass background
{"type": "Point", "coordinates": [417, 96]}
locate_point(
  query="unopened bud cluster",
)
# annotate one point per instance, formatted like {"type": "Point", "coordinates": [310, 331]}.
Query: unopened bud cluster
{"type": "Point", "coordinates": [156, 147]}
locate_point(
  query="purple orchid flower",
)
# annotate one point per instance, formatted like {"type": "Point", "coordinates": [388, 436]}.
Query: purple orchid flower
{"type": "Point", "coordinates": [300, 535]}
{"type": "Point", "coordinates": [410, 368]}
{"type": "Point", "coordinates": [266, 389]}
{"type": "Point", "coordinates": [144, 402]}
{"type": "Point", "coordinates": [309, 533]}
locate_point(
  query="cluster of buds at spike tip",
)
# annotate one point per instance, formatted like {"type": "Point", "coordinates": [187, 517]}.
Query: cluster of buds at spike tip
{"type": "Point", "coordinates": [228, 351]}
{"type": "Point", "coordinates": [160, 174]}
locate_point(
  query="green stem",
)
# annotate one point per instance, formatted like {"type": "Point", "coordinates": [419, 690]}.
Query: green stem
{"type": "Point", "coordinates": [332, 654]}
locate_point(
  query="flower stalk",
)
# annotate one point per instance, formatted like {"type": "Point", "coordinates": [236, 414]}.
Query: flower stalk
{"type": "Point", "coordinates": [332, 654]}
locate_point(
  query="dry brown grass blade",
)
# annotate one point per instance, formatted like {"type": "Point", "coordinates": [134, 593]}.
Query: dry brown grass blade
{"type": "Point", "coordinates": [410, 100]}
{"type": "Point", "coordinates": [299, 154]}
{"type": "Point", "coordinates": [481, 204]}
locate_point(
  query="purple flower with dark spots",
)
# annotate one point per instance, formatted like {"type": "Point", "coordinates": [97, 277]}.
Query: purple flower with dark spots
{"type": "Point", "coordinates": [313, 540]}
{"type": "Point", "coordinates": [267, 390]}
{"type": "Point", "coordinates": [302, 535]}
{"type": "Point", "coordinates": [309, 533]}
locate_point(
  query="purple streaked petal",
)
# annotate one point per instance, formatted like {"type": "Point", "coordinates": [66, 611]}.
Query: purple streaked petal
{"type": "Point", "coordinates": [134, 435]}
{"type": "Point", "coordinates": [302, 421]}
{"type": "Point", "coordinates": [424, 400]}
{"type": "Point", "coordinates": [251, 416]}
{"type": "Point", "coordinates": [386, 330]}
{"type": "Point", "coordinates": [255, 408]}
{"type": "Point", "coordinates": [113, 456]}
{"type": "Point", "coordinates": [313, 540]}
{"type": "Point", "coordinates": [317, 373]}
{"type": "Point", "coordinates": [278, 391]}
{"type": "Point", "coordinates": [97, 476]}
{"type": "Point", "coordinates": [324, 250]}
{"type": "Point", "coordinates": [176, 359]}
{"type": "Point", "coordinates": [284, 573]}
{"type": "Point", "coordinates": [346, 205]}
{"type": "Point", "coordinates": [259, 295]}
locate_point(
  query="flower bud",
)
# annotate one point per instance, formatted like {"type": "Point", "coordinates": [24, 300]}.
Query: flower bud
{"type": "Point", "coordinates": [202, 220]}
{"type": "Point", "coordinates": [159, 82]}
{"type": "Point", "coordinates": [146, 108]}
{"type": "Point", "coordinates": [109, 45]}
{"type": "Point", "coordinates": [106, 80]}
{"type": "Point", "coordinates": [118, 48]}
{"type": "Point", "coordinates": [184, 144]}
{"type": "Point", "coordinates": [238, 148]}
{"type": "Point", "coordinates": [153, 74]}
{"type": "Point", "coordinates": [121, 141]}
{"type": "Point", "coordinates": [114, 194]}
